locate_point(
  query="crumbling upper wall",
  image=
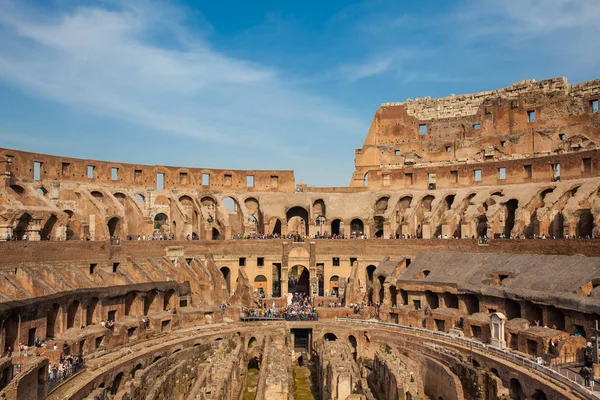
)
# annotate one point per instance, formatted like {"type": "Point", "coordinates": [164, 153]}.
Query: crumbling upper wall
{"type": "Point", "coordinates": [20, 165]}
{"type": "Point", "coordinates": [526, 120]}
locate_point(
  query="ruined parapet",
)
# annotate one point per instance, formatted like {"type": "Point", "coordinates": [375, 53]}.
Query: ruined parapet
{"type": "Point", "coordinates": [339, 375]}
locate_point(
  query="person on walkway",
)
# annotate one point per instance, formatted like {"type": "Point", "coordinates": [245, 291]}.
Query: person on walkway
{"type": "Point", "coordinates": [586, 373]}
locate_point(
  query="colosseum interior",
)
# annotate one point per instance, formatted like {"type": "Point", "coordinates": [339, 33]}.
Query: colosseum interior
{"type": "Point", "coordinates": [462, 262]}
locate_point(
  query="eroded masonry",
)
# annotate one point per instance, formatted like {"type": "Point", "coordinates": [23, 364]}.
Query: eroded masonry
{"type": "Point", "coordinates": [462, 262]}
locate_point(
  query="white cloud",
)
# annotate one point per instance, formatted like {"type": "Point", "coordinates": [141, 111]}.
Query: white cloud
{"type": "Point", "coordinates": [367, 69]}
{"type": "Point", "coordinates": [101, 59]}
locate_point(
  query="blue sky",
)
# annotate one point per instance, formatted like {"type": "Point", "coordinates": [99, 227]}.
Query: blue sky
{"type": "Point", "coordinates": [264, 84]}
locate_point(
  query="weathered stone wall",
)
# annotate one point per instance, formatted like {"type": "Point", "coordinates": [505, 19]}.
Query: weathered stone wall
{"type": "Point", "coordinates": [339, 375]}
{"type": "Point", "coordinates": [529, 123]}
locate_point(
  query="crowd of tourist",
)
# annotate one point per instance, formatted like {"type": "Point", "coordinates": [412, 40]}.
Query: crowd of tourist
{"type": "Point", "coordinates": [67, 366]}
{"type": "Point", "coordinates": [300, 309]}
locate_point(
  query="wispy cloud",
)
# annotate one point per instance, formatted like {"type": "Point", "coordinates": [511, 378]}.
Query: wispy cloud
{"type": "Point", "coordinates": [102, 59]}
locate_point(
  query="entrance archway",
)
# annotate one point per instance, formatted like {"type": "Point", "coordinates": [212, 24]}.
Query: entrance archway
{"type": "Point", "coordinates": [299, 280]}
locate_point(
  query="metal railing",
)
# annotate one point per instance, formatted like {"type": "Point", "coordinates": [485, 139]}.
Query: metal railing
{"type": "Point", "coordinates": [64, 375]}
{"type": "Point", "coordinates": [568, 379]}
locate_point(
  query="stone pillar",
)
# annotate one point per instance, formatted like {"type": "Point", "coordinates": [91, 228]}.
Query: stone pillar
{"type": "Point", "coordinates": [497, 327]}
{"type": "Point", "coordinates": [33, 229]}
{"type": "Point", "coordinates": [426, 231]}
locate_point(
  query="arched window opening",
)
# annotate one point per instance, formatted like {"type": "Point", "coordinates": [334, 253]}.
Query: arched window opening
{"type": "Point", "coordinates": [337, 227]}
{"type": "Point", "coordinates": [297, 221]}
{"type": "Point", "coordinates": [330, 337]}
{"type": "Point", "coordinates": [357, 227]}
{"type": "Point", "coordinates": [585, 224]}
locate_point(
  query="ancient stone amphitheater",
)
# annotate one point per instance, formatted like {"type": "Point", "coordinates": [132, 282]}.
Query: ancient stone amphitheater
{"type": "Point", "coordinates": [462, 262]}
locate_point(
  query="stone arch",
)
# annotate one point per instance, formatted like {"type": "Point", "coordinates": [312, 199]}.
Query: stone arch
{"type": "Point", "coordinates": [260, 284]}
{"type": "Point", "coordinates": [299, 279]}
{"type": "Point", "coordinates": [216, 234]}
{"type": "Point", "coordinates": [186, 200]}
{"type": "Point", "coordinates": [22, 226]}
{"type": "Point", "coordinates": [255, 216]}
{"type": "Point", "coordinates": [121, 198]}
{"type": "Point", "coordinates": [516, 390]}
{"type": "Point", "coordinates": [449, 200]}
{"type": "Point", "coordinates": [585, 224]}
{"type": "Point", "coordinates": [252, 342]}
{"type": "Point", "coordinates": [426, 202]}
{"type": "Point", "coordinates": [116, 385]}
{"type": "Point", "coordinates": [381, 204]}
{"type": "Point", "coordinates": [318, 208]}
{"type": "Point", "coordinates": [538, 395]}
{"type": "Point", "coordinates": [330, 337]}
{"type": "Point", "coordinates": [357, 227]}
{"type": "Point", "coordinates": [97, 195]}
{"type": "Point", "coordinates": [297, 220]}
{"type": "Point", "coordinates": [114, 226]}
{"type": "Point", "coordinates": [74, 315]}
{"type": "Point", "coordinates": [226, 272]}
{"type": "Point", "coordinates": [354, 345]}
{"type": "Point", "coordinates": [234, 217]}
{"type": "Point", "coordinates": [134, 370]}
{"type": "Point", "coordinates": [140, 198]}
{"type": "Point", "coordinates": [161, 222]}
{"type": "Point", "coordinates": [334, 285]}
{"type": "Point", "coordinates": [48, 229]}
{"type": "Point", "coordinates": [337, 227]}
